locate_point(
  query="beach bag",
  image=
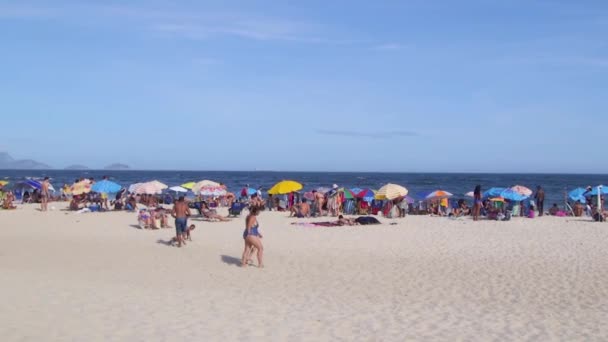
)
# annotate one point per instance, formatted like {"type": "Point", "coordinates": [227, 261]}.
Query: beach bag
{"type": "Point", "coordinates": [365, 220]}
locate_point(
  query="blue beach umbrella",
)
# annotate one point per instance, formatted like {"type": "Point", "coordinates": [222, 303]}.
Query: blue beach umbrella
{"type": "Point", "coordinates": [28, 184]}
{"type": "Point", "coordinates": [598, 190]}
{"type": "Point", "coordinates": [251, 191]}
{"type": "Point", "coordinates": [578, 194]}
{"type": "Point", "coordinates": [105, 186]}
{"type": "Point", "coordinates": [493, 192]}
{"type": "Point", "coordinates": [511, 195]}
{"type": "Point", "coordinates": [356, 190]}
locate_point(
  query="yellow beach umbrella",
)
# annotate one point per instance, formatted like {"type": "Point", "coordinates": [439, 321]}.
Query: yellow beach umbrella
{"type": "Point", "coordinates": [3, 182]}
{"type": "Point", "coordinates": [196, 188]}
{"type": "Point", "coordinates": [391, 191]}
{"type": "Point", "coordinates": [285, 187]}
{"type": "Point", "coordinates": [188, 185]}
{"type": "Point", "coordinates": [82, 187]}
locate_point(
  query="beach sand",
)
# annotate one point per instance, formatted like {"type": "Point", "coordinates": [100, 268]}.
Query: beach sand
{"type": "Point", "coordinates": [95, 276]}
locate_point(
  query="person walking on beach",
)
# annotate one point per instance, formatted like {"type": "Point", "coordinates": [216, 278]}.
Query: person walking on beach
{"type": "Point", "coordinates": [476, 202]}
{"type": "Point", "coordinates": [540, 200]}
{"type": "Point", "coordinates": [181, 212]}
{"type": "Point", "coordinates": [252, 238]}
{"type": "Point", "coordinates": [44, 194]}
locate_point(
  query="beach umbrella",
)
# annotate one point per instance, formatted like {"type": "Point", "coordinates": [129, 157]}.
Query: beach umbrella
{"type": "Point", "coordinates": [285, 187]}
{"type": "Point", "coordinates": [82, 187]}
{"type": "Point", "coordinates": [212, 191]}
{"type": "Point", "coordinates": [470, 194]}
{"type": "Point", "coordinates": [597, 190]}
{"type": "Point", "coordinates": [178, 189]}
{"type": "Point", "coordinates": [150, 188]}
{"type": "Point", "coordinates": [188, 185]}
{"type": "Point", "coordinates": [3, 182]}
{"type": "Point", "coordinates": [196, 188]}
{"type": "Point", "coordinates": [512, 195]}
{"type": "Point", "coordinates": [28, 184]}
{"type": "Point", "coordinates": [493, 192]}
{"type": "Point", "coordinates": [497, 199]}
{"type": "Point", "coordinates": [356, 191]}
{"type": "Point", "coordinates": [520, 189]}
{"type": "Point", "coordinates": [105, 186]}
{"type": "Point", "coordinates": [323, 189]}
{"type": "Point", "coordinates": [391, 191]}
{"type": "Point", "coordinates": [133, 186]}
{"type": "Point", "coordinates": [348, 194]}
{"type": "Point", "coordinates": [578, 194]}
{"type": "Point", "coordinates": [366, 194]}
{"type": "Point", "coordinates": [251, 191]}
{"type": "Point", "coordinates": [438, 194]}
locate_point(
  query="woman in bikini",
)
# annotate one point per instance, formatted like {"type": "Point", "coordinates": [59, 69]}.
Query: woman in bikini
{"type": "Point", "coordinates": [252, 238]}
{"type": "Point", "coordinates": [476, 202]}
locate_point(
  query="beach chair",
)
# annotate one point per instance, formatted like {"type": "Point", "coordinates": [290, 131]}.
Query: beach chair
{"type": "Point", "coordinates": [349, 207]}
{"type": "Point", "coordinates": [236, 209]}
{"type": "Point", "coordinates": [376, 207]}
{"type": "Point", "coordinates": [363, 208]}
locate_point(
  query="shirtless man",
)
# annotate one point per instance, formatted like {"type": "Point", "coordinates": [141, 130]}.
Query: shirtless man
{"type": "Point", "coordinates": [319, 199]}
{"type": "Point", "coordinates": [181, 212]}
{"type": "Point", "coordinates": [44, 194]}
{"type": "Point", "coordinates": [300, 210]}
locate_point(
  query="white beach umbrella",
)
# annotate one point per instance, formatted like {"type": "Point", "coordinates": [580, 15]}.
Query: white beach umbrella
{"type": "Point", "coordinates": [391, 191]}
{"type": "Point", "coordinates": [196, 188]}
{"type": "Point", "coordinates": [150, 188]}
{"type": "Point", "coordinates": [178, 189]}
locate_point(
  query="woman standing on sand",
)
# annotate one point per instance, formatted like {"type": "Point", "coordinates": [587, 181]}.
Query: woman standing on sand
{"type": "Point", "coordinates": [476, 202]}
{"type": "Point", "coordinates": [253, 238]}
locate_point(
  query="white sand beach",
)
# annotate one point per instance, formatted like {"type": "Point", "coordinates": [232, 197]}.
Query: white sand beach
{"type": "Point", "coordinates": [96, 277]}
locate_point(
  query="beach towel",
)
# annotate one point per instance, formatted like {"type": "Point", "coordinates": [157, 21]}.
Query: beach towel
{"type": "Point", "coordinates": [316, 224]}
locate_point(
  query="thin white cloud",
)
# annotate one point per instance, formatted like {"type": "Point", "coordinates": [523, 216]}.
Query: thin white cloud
{"type": "Point", "coordinates": [197, 25]}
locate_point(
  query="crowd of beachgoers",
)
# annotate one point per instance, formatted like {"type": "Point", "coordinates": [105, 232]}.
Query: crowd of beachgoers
{"type": "Point", "coordinates": [390, 201]}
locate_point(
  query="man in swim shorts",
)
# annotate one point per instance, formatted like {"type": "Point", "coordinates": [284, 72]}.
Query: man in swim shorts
{"type": "Point", "coordinates": [180, 212]}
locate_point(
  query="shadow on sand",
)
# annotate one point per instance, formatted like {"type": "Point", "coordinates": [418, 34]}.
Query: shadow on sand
{"type": "Point", "coordinates": [231, 260]}
{"type": "Point", "coordinates": [168, 243]}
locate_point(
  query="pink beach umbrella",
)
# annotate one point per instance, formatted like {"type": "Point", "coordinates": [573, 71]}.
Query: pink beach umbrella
{"type": "Point", "coordinates": [151, 188]}
{"type": "Point", "coordinates": [522, 190]}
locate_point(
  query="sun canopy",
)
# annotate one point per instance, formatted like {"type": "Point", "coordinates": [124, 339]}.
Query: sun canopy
{"type": "Point", "coordinates": [285, 187]}
{"type": "Point", "coordinates": [391, 191]}
{"type": "Point", "coordinates": [578, 194]}
{"type": "Point", "coordinates": [105, 186]}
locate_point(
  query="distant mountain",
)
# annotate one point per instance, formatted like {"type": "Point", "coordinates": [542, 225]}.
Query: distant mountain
{"type": "Point", "coordinates": [8, 162]}
{"type": "Point", "coordinates": [76, 167]}
{"type": "Point", "coordinates": [117, 166]}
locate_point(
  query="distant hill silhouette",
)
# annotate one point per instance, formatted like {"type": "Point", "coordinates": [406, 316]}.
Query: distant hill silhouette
{"type": "Point", "coordinates": [117, 166]}
{"type": "Point", "coordinates": [8, 162]}
{"type": "Point", "coordinates": [76, 167]}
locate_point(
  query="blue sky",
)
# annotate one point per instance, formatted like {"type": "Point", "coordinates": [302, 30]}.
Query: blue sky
{"type": "Point", "coordinates": [514, 86]}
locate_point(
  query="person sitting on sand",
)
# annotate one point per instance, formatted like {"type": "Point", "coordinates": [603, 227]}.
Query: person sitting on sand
{"type": "Point", "coordinates": [131, 203]}
{"type": "Point", "coordinates": [553, 210]}
{"type": "Point", "coordinates": [144, 219]}
{"type": "Point", "coordinates": [160, 214]}
{"type": "Point", "coordinates": [211, 214]}
{"type": "Point", "coordinates": [344, 221]}
{"type": "Point", "coordinates": [7, 203]}
{"type": "Point", "coordinates": [300, 210]}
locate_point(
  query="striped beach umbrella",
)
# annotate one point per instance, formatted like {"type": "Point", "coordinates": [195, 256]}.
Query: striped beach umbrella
{"type": "Point", "coordinates": [391, 191]}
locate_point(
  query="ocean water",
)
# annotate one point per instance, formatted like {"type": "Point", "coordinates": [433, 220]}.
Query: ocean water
{"type": "Point", "coordinates": [555, 185]}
